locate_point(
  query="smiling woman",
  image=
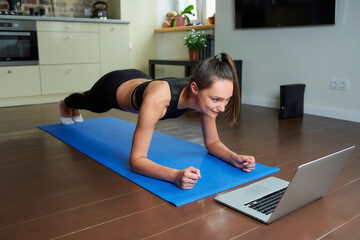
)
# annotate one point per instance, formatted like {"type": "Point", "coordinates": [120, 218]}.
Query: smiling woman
{"type": "Point", "coordinates": [214, 100]}
{"type": "Point", "coordinates": [221, 68]}
{"type": "Point", "coordinates": [211, 89]}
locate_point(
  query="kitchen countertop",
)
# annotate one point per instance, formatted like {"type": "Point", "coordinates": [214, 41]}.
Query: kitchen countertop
{"type": "Point", "coordinates": [63, 19]}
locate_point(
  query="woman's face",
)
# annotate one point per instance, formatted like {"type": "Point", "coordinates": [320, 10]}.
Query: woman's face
{"type": "Point", "coordinates": [213, 100]}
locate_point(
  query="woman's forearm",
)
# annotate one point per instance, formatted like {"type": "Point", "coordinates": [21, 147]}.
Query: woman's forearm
{"type": "Point", "coordinates": [184, 179]}
{"type": "Point", "coordinates": [219, 150]}
{"type": "Point", "coordinates": [148, 168]}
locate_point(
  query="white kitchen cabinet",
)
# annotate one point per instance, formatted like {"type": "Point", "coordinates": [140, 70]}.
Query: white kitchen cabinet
{"type": "Point", "coordinates": [114, 47]}
{"type": "Point", "coordinates": [19, 81]}
{"type": "Point", "coordinates": [47, 26]}
{"type": "Point", "coordinates": [72, 57]}
{"type": "Point", "coordinates": [61, 44]}
{"type": "Point", "coordinates": [67, 78]}
{"type": "Point", "coordinates": [69, 54]}
{"type": "Point", "coordinates": [63, 48]}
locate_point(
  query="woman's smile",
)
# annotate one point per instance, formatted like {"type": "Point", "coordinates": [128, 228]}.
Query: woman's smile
{"type": "Point", "coordinates": [213, 100]}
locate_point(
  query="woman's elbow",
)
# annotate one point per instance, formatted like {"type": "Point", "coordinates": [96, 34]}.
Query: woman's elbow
{"type": "Point", "coordinates": [208, 147]}
{"type": "Point", "coordinates": [132, 164]}
{"type": "Point", "coordinates": [211, 145]}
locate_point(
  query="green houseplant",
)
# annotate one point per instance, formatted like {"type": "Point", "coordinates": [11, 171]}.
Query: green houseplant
{"type": "Point", "coordinates": [179, 20]}
{"type": "Point", "coordinates": [195, 42]}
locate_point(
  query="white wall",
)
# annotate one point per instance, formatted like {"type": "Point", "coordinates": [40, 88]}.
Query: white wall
{"type": "Point", "coordinates": [170, 44]}
{"type": "Point", "coordinates": [310, 55]}
{"type": "Point", "coordinates": [143, 20]}
{"type": "Point", "coordinates": [163, 7]}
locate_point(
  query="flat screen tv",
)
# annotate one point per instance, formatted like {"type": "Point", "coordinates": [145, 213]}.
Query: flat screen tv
{"type": "Point", "coordinates": [283, 13]}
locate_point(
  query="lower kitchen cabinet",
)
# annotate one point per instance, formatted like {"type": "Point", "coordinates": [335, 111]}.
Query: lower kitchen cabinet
{"type": "Point", "coordinates": [68, 78]}
{"type": "Point", "coordinates": [63, 47]}
{"type": "Point", "coordinates": [114, 47]}
{"type": "Point", "coordinates": [19, 81]}
{"type": "Point", "coordinates": [72, 57]}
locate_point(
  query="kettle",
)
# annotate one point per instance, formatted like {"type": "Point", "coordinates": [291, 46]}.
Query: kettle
{"type": "Point", "coordinates": [100, 12]}
{"type": "Point", "coordinates": [13, 5]}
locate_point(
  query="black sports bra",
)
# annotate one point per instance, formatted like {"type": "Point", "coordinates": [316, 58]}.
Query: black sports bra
{"type": "Point", "coordinates": [176, 86]}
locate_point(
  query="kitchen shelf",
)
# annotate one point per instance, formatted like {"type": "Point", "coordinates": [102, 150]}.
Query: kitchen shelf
{"type": "Point", "coordinates": [178, 29]}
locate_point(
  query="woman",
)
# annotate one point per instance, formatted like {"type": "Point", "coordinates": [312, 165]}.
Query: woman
{"type": "Point", "coordinates": [212, 88]}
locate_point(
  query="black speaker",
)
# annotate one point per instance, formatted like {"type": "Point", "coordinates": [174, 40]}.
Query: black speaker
{"type": "Point", "coordinates": [291, 100]}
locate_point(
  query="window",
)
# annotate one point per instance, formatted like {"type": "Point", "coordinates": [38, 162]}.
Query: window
{"type": "Point", "coordinates": [182, 4]}
{"type": "Point", "coordinates": [203, 9]}
{"type": "Point", "coordinates": [210, 8]}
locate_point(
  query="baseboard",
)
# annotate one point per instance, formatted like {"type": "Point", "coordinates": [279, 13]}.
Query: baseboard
{"type": "Point", "coordinates": [308, 109]}
{"type": "Point", "coordinates": [22, 101]}
{"type": "Point", "coordinates": [332, 113]}
{"type": "Point", "coordinates": [260, 102]}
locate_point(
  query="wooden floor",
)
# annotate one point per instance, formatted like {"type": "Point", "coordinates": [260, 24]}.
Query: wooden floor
{"type": "Point", "coordinates": [48, 190]}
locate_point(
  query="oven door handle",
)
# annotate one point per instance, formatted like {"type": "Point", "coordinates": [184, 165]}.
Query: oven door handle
{"type": "Point", "coordinates": [15, 34]}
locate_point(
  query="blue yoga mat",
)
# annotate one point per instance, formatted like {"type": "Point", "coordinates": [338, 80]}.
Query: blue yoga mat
{"type": "Point", "coordinates": [108, 140]}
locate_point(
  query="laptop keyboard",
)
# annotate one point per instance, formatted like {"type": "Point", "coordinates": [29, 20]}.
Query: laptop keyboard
{"type": "Point", "coordinates": [268, 203]}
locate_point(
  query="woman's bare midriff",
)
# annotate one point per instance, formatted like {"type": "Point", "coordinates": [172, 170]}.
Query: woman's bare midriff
{"type": "Point", "coordinates": [123, 94]}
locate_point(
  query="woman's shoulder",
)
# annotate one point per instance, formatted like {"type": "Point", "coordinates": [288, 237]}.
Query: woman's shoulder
{"type": "Point", "coordinates": [176, 85]}
{"type": "Point", "coordinates": [158, 86]}
{"type": "Point", "coordinates": [158, 92]}
{"type": "Point", "coordinates": [163, 89]}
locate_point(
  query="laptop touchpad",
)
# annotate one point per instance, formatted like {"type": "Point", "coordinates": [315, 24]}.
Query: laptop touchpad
{"type": "Point", "coordinates": [256, 190]}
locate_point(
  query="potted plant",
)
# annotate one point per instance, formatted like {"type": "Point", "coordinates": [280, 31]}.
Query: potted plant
{"type": "Point", "coordinates": [179, 20]}
{"type": "Point", "coordinates": [195, 42]}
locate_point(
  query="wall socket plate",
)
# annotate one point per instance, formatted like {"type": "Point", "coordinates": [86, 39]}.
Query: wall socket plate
{"type": "Point", "coordinates": [88, 12]}
{"type": "Point", "coordinates": [339, 84]}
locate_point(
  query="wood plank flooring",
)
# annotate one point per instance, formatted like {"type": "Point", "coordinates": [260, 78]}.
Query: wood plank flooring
{"type": "Point", "coordinates": [48, 190]}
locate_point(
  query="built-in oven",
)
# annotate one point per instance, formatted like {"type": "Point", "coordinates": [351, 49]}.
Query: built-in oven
{"type": "Point", "coordinates": [18, 43]}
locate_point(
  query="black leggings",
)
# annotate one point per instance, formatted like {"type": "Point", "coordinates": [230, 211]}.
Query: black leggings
{"type": "Point", "coordinates": [102, 96]}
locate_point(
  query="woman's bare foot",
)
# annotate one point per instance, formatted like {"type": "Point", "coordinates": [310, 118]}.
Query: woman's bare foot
{"type": "Point", "coordinates": [65, 114]}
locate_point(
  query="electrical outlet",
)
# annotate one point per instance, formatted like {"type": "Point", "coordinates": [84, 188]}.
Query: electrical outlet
{"type": "Point", "coordinates": [88, 12]}
{"type": "Point", "coordinates": [344, 84]}
{"type": "Point", "coordinates": [333, 84]}
{"type": "Point", "coordinates": [339, 84]}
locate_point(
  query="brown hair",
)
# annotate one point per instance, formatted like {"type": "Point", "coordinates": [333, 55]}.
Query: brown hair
{"type": "Point", "coordinates": [222, 67]}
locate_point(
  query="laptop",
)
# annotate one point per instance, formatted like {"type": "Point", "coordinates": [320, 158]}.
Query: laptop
{"type": "Point", "coordinates": [272, 198]}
